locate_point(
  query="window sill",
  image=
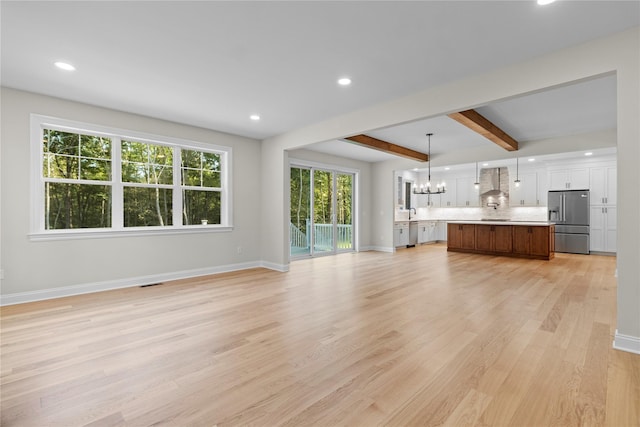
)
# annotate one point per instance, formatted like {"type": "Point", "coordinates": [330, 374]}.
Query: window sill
{"type": "Point", "coordinates": [133, 232]}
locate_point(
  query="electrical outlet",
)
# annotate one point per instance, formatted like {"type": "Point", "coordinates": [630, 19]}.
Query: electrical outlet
{"type": "Point", "coordinates": [2, 274]}
{"type": "Point", "coordinates": [239, 249]}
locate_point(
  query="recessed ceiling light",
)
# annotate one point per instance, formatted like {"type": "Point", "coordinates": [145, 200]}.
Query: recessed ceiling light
{"type": "Point", "coordinates": [485, 164]}
{"type": "Point", "coordinates": [344, 81]}
{"type": "Point", "coordinates": [64, 66]}
{"type": "Point", "coordinates": [531, 160]}
{"type": "Point", "coordinates": [415, 169]}
{"type": "Point", "coordinates": [254, 117]}
{"type": "Point", "coordinates": [588, 154]}
{"type": "Point", "coordinates": [545, 2]}
{"type": "Point", "coordinates": [447, 168]}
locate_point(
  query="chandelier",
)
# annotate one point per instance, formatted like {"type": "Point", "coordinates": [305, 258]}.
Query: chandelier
{"type": "Point", "coordinates": [426, 189]}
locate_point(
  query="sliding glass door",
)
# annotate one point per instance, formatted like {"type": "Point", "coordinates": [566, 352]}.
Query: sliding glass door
{"type": "Point", "coordinates": [300, 212]}
{"type": "Point", "coordinates": [321, 207]}
{"type": "Point", "coordinates": [344, 209]}
{"type": "Point", "coordinates": [323, 218]}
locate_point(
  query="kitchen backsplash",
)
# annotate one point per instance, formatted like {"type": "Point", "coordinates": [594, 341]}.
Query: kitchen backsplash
{"type": "Point", "coordinates": [473, 214]}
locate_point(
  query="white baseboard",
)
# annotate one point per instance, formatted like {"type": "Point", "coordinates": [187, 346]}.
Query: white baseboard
{"type": "Point", "coordinates": [24, 297]}
{"type": "Point", "coordinates": [626, 343]}
{"type": "Point", "coordinates": [283, 268]}
{"type": "Point", "coordinates": [377, 248]}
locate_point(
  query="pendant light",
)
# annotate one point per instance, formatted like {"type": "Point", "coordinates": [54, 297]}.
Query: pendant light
{"type": "Point", "coordinates": [517, 181]}
{"type": "Point", "coordinates": [477, 183]}
{"type": "Point", "coordinates": [440, 188]}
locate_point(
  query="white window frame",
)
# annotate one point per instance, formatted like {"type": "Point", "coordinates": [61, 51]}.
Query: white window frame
{"type": "Point", "coordinates": [37, 221]}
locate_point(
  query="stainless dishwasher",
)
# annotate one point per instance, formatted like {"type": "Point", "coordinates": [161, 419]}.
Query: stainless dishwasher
{"type": "Point", "coordinates": [413, 234]}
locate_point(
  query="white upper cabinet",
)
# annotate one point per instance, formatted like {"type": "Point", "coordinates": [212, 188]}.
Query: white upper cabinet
{"type": "Point", "coordinates": [569, 179]}
{"type": "Point", "coordinates": [603, 185]}
{"type": "Point", "coordinates": [597, 174]}
{"type": "Point", "coordinates": [526, 194]}
{"type": "Point", "coordinates": [423, 201]}
{"type": "Point", "coordinates": [448, 199]}
{"type": "Point", "coordinates": [543, 188]}
{"type": "Point", "coordinates": [466, 193]}
{"type": "Point", "coordinates": [433, 200]}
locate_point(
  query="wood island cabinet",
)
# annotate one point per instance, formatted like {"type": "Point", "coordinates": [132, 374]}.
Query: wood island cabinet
{"type": "Point", "coordinates": [533, 241]}
{"type": "Point", "coordinates": [461, 236]}
{"type": "Point", "coordinates": [494, 238]}
{"type": "Point", "coordinates": [523, 241]}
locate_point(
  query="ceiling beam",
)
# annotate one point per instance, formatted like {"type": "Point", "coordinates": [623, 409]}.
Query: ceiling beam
{"type": "Point", "coordinates": [388, 147]}
{"type": "Point", "coordinates": [480, 124]}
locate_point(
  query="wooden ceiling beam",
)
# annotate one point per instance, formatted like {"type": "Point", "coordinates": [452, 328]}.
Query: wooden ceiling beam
{"type": "Point", "coordinates": [480, 124]}
{"type": "Point", "coordinates": [388, 147]}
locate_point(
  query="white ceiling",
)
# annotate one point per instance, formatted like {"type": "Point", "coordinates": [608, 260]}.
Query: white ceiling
{"type": "Point", "coordinates": [213, 63]}
{"type": "Point", "coordinates": [587, 106]}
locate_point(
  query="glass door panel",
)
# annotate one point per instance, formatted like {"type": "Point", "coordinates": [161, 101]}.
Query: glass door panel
{"type": "Point", "coordinates": [344, 209]}
{"type": "Point", "coordinates": [300, 212]}
{"type": "Point", "coordinates": [323, 205]}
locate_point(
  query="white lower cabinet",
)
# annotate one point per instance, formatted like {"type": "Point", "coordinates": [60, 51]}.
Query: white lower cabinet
{"type": "Point", "coordinates": [401, 234]}
{"type": "Point", "coordinates": [603, 229]}
{"type": "Point", "coordinates": [441, 231]}
{"type": "Point", "coordinates": [427, 231]}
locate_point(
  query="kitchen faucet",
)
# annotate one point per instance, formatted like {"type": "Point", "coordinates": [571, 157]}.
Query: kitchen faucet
{"type": "Point", "coordinates": [414, 211]}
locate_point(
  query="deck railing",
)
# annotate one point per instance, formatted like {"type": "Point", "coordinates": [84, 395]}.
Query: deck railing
{"type": "Point", "coordinates": [297, 238]}
{"type": "Point", "coordinates": [323, 236]}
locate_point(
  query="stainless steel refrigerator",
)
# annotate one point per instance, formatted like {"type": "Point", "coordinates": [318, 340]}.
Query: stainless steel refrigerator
{"type": "Point", "coordinates": [570, 211]}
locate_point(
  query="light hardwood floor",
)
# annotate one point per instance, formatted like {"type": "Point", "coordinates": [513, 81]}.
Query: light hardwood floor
{"type": "Point", "coordinates": [419, 337]}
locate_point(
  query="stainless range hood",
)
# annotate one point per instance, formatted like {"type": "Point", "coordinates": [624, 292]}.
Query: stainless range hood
{"type": "Point", "coordinates": [491, 182]}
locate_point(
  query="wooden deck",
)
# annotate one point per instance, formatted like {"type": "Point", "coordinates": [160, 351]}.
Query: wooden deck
{"type": "Point", "coordinates": [418, 337]}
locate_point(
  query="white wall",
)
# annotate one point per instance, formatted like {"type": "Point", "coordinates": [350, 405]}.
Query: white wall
{"type": "Point", "coordinates": [36, 266]}
{"type": "Point", "coordinates": [618, 54]}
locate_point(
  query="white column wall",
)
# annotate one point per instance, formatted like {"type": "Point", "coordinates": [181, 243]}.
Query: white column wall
{"type": "Point", "coordinates": [618, 54]}
{"type": "Point", "coordinates": [628, 199]}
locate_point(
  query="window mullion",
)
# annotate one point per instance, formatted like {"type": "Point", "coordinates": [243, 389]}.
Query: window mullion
{"type": "Point", "coordinates": [177, 187]}
{"type": "Point", "coordinates": [117, 192]}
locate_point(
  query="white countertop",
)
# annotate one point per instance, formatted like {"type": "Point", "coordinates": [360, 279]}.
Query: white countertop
{"type": "Point", "coordinates": [420, 220]}
{"type": "Point", "coordinates": [527, 223]}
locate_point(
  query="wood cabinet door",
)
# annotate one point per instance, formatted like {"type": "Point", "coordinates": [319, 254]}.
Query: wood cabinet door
{"type": "Point", "coordinates": [521, 239]}
{"type": "Point", "coordinates": [484, 237]}
{"type": "Point", "coordinates": [468, 236]}
{"type": "Point", "coordinates": [503, 238]}
{"type": "Point", "coordinates": [454, 236]}
{"type": "Point", "coordinates": [539, 241]}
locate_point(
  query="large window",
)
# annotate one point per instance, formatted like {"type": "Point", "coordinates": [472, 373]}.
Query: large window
{"type": "Point", "coordinates": [92, 179]}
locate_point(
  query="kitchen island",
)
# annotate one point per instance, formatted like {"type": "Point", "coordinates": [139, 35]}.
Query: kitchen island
{"type": "Point", "coordinates": [507, 238]}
